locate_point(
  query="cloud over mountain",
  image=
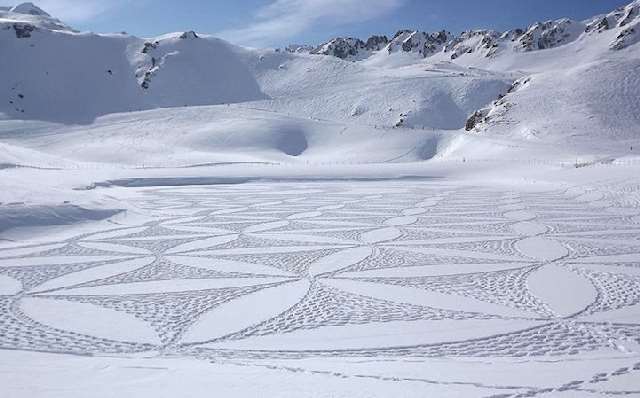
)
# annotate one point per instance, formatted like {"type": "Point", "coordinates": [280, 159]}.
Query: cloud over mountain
{"type": "Point", "coordinates": [283, 19]}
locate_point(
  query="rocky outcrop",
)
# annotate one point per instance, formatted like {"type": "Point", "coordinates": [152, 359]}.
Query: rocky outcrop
{"type": "Point", "coordinates": [598, 25]}
{"type": "Point", "coordinates": [28, 9]}
{"type": "Point", "coordinates": [476, 118]}
{"type": "Point", "coordinates": [498, 109]}
{"type": "Point", "coordinates": [627, 37]}
{"type": "Point", "coordinates": [299, 48]}
{"type": "Point", "coordinates": [407, 41]}
{"type": "Point", "coordinates": [544, 35]}
{"type": "Point", "coordinates": [23, 30]}
{"type": "Point", "coordinates": [487, 43]}
{"type": "Point", "coordinates": [149, 46]}
{"type": "Point", "coordinates": [341, 47]}
{"type": "Point", "coordinates": [484, 42]}
{"type": "Point", "coordinates": [376, 43]}
{"type": "Point", "coordinates": [189, 35]}
{"type": "Point", "coordinates": [348, 48]}
{"type": "Point", "coordinates": [422, 43]}
{"type": "Point", "coordinates": [28, 14]}
{"type": "Point", "coordinates": [519, 84]}
{"type": "Point", "coordinates": [629, 14]}
{"type": "Point", "coordinates": [512, 35]}
{"type": "Point", "coordinates": [149, 49]}
{"type": "Point", "coordinates": [625, 19]}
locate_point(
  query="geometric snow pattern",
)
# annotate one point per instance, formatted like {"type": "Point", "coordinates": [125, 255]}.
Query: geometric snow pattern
{"type": "Point", "coordinates": [222, 249]}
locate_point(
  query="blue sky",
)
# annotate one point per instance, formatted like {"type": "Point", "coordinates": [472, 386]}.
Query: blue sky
{"type": "Point", "coordinates": [280, 22]}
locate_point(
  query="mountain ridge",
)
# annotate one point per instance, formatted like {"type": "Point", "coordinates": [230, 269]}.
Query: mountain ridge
{"type": "Point", "coordinates": [537, 36]}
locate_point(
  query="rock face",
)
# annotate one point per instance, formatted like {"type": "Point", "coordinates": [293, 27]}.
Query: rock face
{"type": "Point", "coordinates": [473, 41]}
{"type": "Point", "coordinates": [349, 48]}
{"type": "Point", "coordinates": [149, 46]}
{"type": "Point", "coordinates": [376, 43]}
{"type": "Point", "coordinates": [626, 37]}
{"type": "Point", "coordinates": [512, 35]}
{"type": "Point", "coordinates": [189, 35]}
{"type": "Point", "coordinates": [598, 25]}
{"type": "Point", "coordinates": [422, 43]}
{"type": "Point", "coordinates": [28, 8]}
{"type": "Point", "coordinates": [629, 14]}
{"type": "Point", "coordinates": [550, 34]}
{"type": "Point", "coordinates": [487, 43]}
{"type": "Point", "coordinates": [619, 18]}
{"type": "Point", "coordinates": [299, 48]}
{"type": "Point", "coordinates": [341, 47]}
{"type": "Point", "coordinates": [625, 19]}
{"type": "Point", "coordinates": [23, 30]}
{"type": "Point", "coordinates": [482, 118]}
{"type": "Point", "coordinates": [29, 14]}
{"type": "Point", "coordinates": [475, 119]}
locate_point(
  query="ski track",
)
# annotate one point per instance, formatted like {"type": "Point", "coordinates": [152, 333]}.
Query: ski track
{"type": "Point", "coordinates": [284, 233]}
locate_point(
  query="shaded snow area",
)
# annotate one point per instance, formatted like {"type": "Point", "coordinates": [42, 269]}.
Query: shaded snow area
{"type": "Point", "coordinates": [425, 214]}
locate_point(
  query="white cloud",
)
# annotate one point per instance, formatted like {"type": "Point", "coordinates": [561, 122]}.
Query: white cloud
{"type": "Point", "coordinates": [78, 10]}
{"type": "Point", "coordinates": [283, 19]}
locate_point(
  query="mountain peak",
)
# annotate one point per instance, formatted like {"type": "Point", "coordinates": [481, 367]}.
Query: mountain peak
{"type": "Point", "coordinates": [29, 8]}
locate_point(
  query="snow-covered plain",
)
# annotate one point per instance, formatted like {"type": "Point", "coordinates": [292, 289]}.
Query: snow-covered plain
{"type": "Point", "coordinates": [180, 216]}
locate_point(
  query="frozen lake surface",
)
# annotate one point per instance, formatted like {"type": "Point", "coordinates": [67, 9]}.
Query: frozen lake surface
{"type": "Point", "coordinates": [347, 288]}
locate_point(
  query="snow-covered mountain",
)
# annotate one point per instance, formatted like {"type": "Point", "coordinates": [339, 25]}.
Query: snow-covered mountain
{"type": "Point", "coordinates": [347, 48]}
{"type": "Point", "coordinates": [556, 81]}
{"type": "Point", "coordinates": [51, 72]}
{"type": "Point", "coordinates": [539, 36]}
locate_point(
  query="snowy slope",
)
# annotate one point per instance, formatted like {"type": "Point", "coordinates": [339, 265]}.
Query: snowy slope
{"type": "Point", "coordinates": [52, 73]}
{"type": "Point", "coordinates": [583, 95]}
{"type": "Point", "coordinates": [432, 81]}
{"type": "Point", "coordinates": [214, 134]}
{"type": "Point", "coordinates": [433, 97]}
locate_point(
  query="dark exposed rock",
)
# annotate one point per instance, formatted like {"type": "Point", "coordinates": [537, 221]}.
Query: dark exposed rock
{"type": "Point", "coordinates": [341, 47]}
{"type": "Point", "coordinates": [29, 9]}
{"type": "Point", "coordinates": [147, 80]}
{"type": "Point", "coordinates": [23, 30]}
{"type": "Point", "coordinates": [598, 26]}
{"type": "Point", "coordinates": [475, 119]}
{"type": "Point", "coordinates": [539, 36]}
{"type": "Point", "coordinates": [401, 120]}
{"type": "Point", "coordinates": [518, 84]}
{"type": "Point", "coordinates": [376, 43]}
{"type": "Point", "coordinates": [626, 37]}
{"type": "Point", "coordinates": [630, 13]}
{"type": "Point", "coordinates": [422, 43]}
{"type": "Point", "coordinates": [401, 33]}
{"type": "Point", "coordinates": [513, 34]}
{"type": "Point", "coordinates": [299, 48]}
{"type": "Point", "coordinates": [483, 41]}
{"type": "Point", "coordinates": [549, 34]}
{"type": "Point", "coordinates": [148, 47]}
{"type": "Point", "coordinates": [189, 35]}
{"type": "Point", "coordinates": [626, 18]}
